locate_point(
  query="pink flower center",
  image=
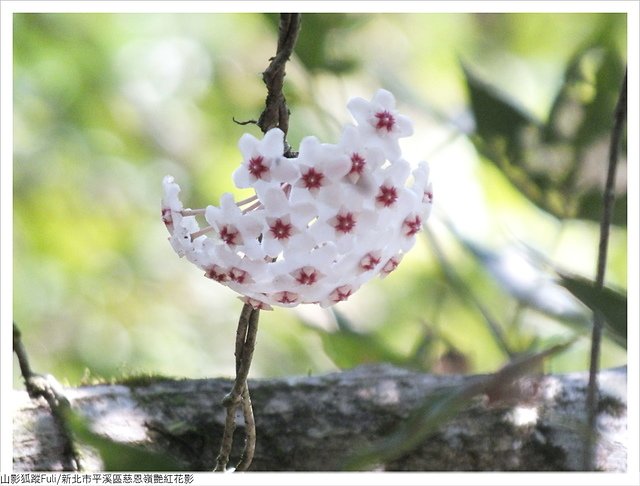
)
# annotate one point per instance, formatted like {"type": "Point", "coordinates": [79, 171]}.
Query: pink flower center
{"type": "Point", "coordinates": [167, 219]}
{"type": "Point", "coordinates": [344, 223]}
{"type": "Point", "coordinates": [428, 197]}
{"type": "Point", "coordinates": [391, 265]}
{"type": "Point", "coordinates": [387, 196]}
{"type": "Point", "coordinates": [312, 179]}
{"type": "Point", "coordinates": [257, 304]}
{"type": "Point", "coordinates": [385, 120]}
{"type": "Point", "coordinates": [306, 275]}
{"type": "Point", "coordinates": [256, 167]}
{"type": "Point", "coordinates": [217, 273]}
{"type": "Point", "coordinates": [239, 275]}
{"type": "Point", "coordinates": [369, 261]}
{"type": "Point", "coordinates": [341, 293]}
{"type": "Point", "coordinates": [230, 235]}
{"type": "Point", "coordinates": [280, 230]}
{"type": "Point", "coordinates": [411, 225]}
{"type": "Point", "coordinates": [286, 297]}
{"type": "Point", "coordinates": [357, 164]}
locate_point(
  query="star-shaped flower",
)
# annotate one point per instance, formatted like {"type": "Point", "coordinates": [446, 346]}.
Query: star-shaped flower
{"type": "Point", "coordinates": [319, 226]}
{"type": "Point", "coordinates": [321, 167]}
{"type": "Point", "coordinates": [379, 118]}
{"type": "Point", "coordinates": [263, 160]}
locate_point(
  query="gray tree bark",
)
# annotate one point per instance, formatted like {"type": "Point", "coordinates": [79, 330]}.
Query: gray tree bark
{"type": "Point", "coordinates": [313, 423]}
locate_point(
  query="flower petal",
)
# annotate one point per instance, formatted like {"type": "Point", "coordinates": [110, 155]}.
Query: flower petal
{"type": "Point", "coordinates": [320, 225]}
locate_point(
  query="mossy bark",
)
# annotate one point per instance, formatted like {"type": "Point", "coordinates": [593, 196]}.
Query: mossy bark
{"type": "Point", "coordinates": [314, 423]}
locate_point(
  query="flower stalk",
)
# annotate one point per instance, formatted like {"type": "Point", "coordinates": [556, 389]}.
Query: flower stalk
{"type": "Point", "coordinates": [321, 223]}
{"type": "Point", "coordinates": [247, 331]}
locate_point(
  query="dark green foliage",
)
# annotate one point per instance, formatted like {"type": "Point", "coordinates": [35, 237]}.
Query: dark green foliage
{"type": "Point", "coordinates": [611, 303]}
{"type": "Point", "coordinates": [348, 348]}
{"type": "Point", "coordinates": [555, 163]}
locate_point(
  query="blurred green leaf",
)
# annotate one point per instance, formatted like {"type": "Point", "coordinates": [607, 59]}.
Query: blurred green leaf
{"type": "Point", "coordinates": [499, 121]}
{"type": "Point", "coordinates": [590, 207]}
{"type": "Point", "coordinates": [316, 48]}
{"type": "Point", "coordinates": [582, 116]}
{"type": "Point", "coordinates": [582, 109]}
{"type": "Point", "coordinates": [503, 135]}
{"type": "Point", "coordinates": [598, 116]}
{"type": "Point", "coordinates": [121, 457]}
{"type": "Point", "coordinates": [443, 405]}
{"type": "Point", "coordinates": [552, 164]}
{"type": "Point", "coordinates": [611, 303]}
{"type": "Point", "coordinates": [524, 277]}
{"type": "Point", "coordinates": [348, 348]}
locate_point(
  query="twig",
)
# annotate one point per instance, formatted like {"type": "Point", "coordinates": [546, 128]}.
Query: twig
{"type": "Point", "coordinates": [48, 388]}
{"type": "Point", "coordinates": [246, 122]}
{"type": "Point", "coordinates": [275, 114]}
{"type": "Point", "coordinates": [239, 394]}
{"type": "Point", "coordinates": [230, 401]}
{"type": "Point", "coordinates": [605, 223]}
{"type": "Point", "coordinates": [250, 427]}
{"type": "Point", "coordinates": [23, 360]}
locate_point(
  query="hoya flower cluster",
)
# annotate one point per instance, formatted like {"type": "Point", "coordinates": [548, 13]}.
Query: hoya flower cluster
{"type": "Point", "coordinates": [319, 225]}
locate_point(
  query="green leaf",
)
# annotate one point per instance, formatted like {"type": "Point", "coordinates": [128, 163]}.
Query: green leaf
{"type": "Point", "coordinates": [588, 96]}
{"type": "Point", "coordinates": [348, 348]}
{"type": "Point", "coordinates": [525, 279]}
{"type": "Point", "coordinates": [611, 303]}
{"type": "Point", "coordinates": [590, 206]}
{"type": "Point", "coordinates": [550, 163]}
{"type": "Point", "coordinates": [499, 121]}
{"type": "Point", "coordinates": [505, 135]}
{"type": "Point", "coordinates": [582, 111]}
{"type": "Point", "coordinates": [598, 117]}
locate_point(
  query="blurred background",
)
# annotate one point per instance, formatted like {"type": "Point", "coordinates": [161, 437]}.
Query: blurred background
{"type": "Point", "coordinates": [512, 111]}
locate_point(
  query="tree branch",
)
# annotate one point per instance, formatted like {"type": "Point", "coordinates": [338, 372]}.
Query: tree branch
{"type": "Point", "coordinates": [313, 423]}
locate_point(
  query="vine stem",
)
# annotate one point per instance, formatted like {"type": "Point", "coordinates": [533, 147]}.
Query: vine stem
{"type": "Point", "coordinates": [598, 319]}
{"type": "Point", "coordinates": [48, 388]}
{"type": "Point", "coordinates": [245, 344]}
{"type": "Point", "coordinates": [275, 114]}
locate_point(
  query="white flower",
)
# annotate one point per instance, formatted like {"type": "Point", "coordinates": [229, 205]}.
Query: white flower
{"type": "Point", "coordinates": [319, 226]}
{"type": "Point", "coordinates": [235, 228]}
{"type": "Point", "coordinates": [263, 160]}
{"type": "Point", "coordinates": [379, 118]}
{"type": "Point", "coordinates": [363, 158]}
{"type": "Point", "coordinates": [320, 165]}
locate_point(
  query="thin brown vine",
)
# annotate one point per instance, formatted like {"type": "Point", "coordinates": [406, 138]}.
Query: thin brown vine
{"type": "Point", "coordinates": [605, 223]}
{"type": "Point", "coordinates": [275, 114]}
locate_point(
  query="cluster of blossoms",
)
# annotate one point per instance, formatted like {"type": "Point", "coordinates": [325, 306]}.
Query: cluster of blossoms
{"type": "Point", "coordinates": [320, 224]}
